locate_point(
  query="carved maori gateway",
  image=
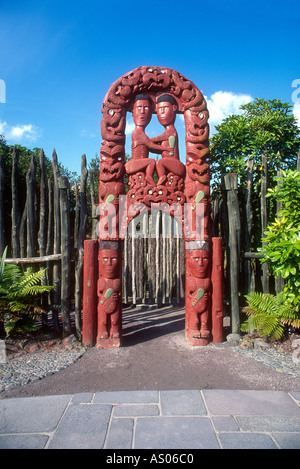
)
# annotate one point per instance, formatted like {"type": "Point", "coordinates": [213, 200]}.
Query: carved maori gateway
{"type": "Point", "coordinates": [163, 184]}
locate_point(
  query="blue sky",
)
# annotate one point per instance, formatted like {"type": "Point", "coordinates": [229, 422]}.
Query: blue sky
{"type": "Point", "coordinates": [58, 59]}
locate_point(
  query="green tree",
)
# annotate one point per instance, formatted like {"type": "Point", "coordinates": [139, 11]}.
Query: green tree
{"type": "Point", "coordinates": [263, 127]}
{"type": "Point", "coordinates": [266, 128]}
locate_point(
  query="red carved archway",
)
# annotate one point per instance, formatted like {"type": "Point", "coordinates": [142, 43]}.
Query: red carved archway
{"type": "Point", "coordinates": [184, 188]}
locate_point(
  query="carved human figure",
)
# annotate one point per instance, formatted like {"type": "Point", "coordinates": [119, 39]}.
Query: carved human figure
{"type": "Point", "coordinates": [110, 294]}
{"type": "Point", "coordinates": [166, 108]}
{"type": "Point", "coordinates": [141, 143]}
{"type": "Point", "coordinates": [198, 285]}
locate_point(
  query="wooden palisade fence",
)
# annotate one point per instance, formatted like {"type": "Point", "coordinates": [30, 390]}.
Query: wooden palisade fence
{"type": "Point", "coordinates": [232, 219]}
{"type": "Point", "coordinates": [43, 230]}
{"type": "Point", "coordinates": [41, 233]}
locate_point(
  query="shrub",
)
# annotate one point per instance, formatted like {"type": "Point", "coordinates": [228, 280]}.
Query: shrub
{"type": "Point", "coordinates": [20, 294]}
{"type": "Point", "coordinates": [269, 315]}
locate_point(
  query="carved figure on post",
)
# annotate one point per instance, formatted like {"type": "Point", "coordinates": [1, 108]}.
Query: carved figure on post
{"type": "Point", "coordinates": [166, 108]}
{"type": "Point", "coordinates": [109, 291]}
{"type": "Point", "coordinates": [141, 143]}
{"type": "Point", "coordinates": [198, 288]}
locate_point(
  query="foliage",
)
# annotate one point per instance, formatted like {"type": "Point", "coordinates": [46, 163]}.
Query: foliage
{"type": "Point", "coordinates": [282, 248]}
{"type": "Point", "coordinates": [269, 315]}
{"type": "Point", "coordinates": [20, 293]}
{"type": "Point", "coordinates": [263, 127]}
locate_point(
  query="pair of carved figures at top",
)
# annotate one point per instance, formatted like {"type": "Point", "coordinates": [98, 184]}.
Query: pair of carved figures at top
{"type": "Point", "coordinates": [166, 92]}
{"type": "Point", "coordinates": [165, 144]}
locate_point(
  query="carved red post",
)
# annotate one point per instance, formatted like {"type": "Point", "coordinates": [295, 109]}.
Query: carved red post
{"type": "Point", "coordinates": [90, 276]}
{"type": "Point", "coordinates": [109, 290]}
{"type": "Point", "coordinates": [198, 293]}
{"type": "Point", "coordinates": [217, 290]}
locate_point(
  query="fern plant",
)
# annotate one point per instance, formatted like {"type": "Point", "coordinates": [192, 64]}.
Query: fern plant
{"type": "Point", "coordinates": [269, 315]}
{"type": "Point", "coordinates": [20, 293]}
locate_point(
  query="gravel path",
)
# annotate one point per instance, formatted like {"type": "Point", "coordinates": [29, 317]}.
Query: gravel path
{"type": "Point", "coordinates": [29, 367]}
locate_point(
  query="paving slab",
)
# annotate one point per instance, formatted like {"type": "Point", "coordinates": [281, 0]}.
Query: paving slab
{"type": "Point", "coordinates": [175, 433]}
{"type": "Point", "coordinates": [136, 410]}
{"type": "Point", "coordinates": [272, 423]}
{"type": "Point", "coordinates": [120, 434]}
{"type": "Point", "coordinates": [287, 440]}
{"type": "Point", "coordinates": [82, 427]}
{"type": "Point", "coordinates": [32, 414]}
{"type": "Point", "coordinates": [23, 441]}
{"type": "Point", "coordinates": [224, 402]}
{"type": "Point", "coordinates": [120, 397]}
{"type": "Point", "coordinates": [246, 440]}
{"type": "Point", "coordinates": [187, 402]}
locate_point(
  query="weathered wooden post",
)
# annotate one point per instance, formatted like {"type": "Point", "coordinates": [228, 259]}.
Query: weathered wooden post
{"type": "Point", "coordinates": [230, 181]}
{"type": "Point", "coordinates": [42, 225]}
{"type": "Point", "coordinates": [56, 243]}
{"type": "Point", "coordinates": [94, 206]}
{"type": "Point", "coordinates": [264, 219]}
{"type": "Point", "coordinates": [15, 213]}
{"type": "Point", "coordinates": [217, 290]}
{"type": "Point", "coordinates": [65, 253]}
{"type": "Point", "coordinates": [31, 220]}
{"type": "Point", "coordinates": [50, 231]}
{"type": "Point", "coordinates": [2, 182]}
{"type": "Point", "coordinates": [247, 269]}
{"type": "Point", "coordinates": [90, 300]}
{"type": "Point", "coordinates": [81, 236]}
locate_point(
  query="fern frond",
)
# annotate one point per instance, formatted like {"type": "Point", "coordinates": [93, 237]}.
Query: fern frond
{"type": "Point", "coordinates": [269, 314]}
{"type": "Point", "coordinates": [31, 278]}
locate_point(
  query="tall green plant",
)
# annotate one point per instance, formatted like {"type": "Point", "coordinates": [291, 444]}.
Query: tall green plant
{"type": "Point", "coordinates": [271, 314]}
{"type": "Point", "coordinates": [282, 248]}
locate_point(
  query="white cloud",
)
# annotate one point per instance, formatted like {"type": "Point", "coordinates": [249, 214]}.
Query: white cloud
{"type": "Point", "coordinates": [223, 104]}
{"type": "Point", "coordinates": [130, 126]}
{"type": "Point", "coordinates": [296, 112]}
{"type": "Point", "coordinates": [21, 132]}
{"type": "Point", "coordinates": [88, 133]}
